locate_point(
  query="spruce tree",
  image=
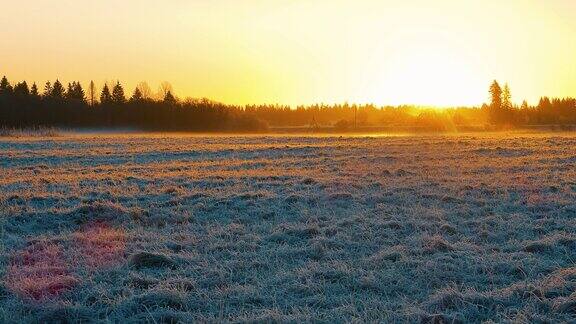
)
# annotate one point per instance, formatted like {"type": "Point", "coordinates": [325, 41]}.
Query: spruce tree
{"type": "Point", "coordinates": [70, 91]}
{"type": "Point", "coordinates": [34, 90]}
{"type": "Point", "coordinates": [5, 87]}
{"type": "Point", "coordinates": [58, 91]}
{"type": "Point", "coordinates": [78, 92]}
{"type": "Point", "coordinates": [47, 89]}
{"type": "Point", "coordinates": [545, 104]}
{"type": "Point", "coordinates": [506, 97]}
{"type": "Point", "coordinates": [21, 89]}
{"type": "Point", "coordinates": [118, 94]}
{"type": "Point", "coordinates": [137, 96]}
{"type": "Point", "coordinates": [105, 96]}
{"type": "Point", "coordinates": [495, 110]}
{"type": "Point", "coordinates": [495, 95]}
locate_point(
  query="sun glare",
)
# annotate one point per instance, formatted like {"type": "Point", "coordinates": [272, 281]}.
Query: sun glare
{"type": "Point", "coordinates": [302, 52]}
{"type": "Point", "coordinates": [428, 76]}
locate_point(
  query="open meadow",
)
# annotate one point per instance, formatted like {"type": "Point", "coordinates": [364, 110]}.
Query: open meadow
{"type": "Point", "coordinates": [178, 228]}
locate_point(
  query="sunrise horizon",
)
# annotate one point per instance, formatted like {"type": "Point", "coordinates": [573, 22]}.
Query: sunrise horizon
{"type": "Point", "coordinates": [301, 52]}
{"type": "Point", "coordinates": [156, 93]}
{"type": "Point", "coordinates": [288, 161]}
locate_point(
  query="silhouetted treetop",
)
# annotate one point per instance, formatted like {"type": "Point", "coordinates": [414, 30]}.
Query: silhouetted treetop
{"type": "Point", "coordinates": [75, 92]}
{"type": "Point", "coordinates": [58, 91]}
{"type": "Point", "coordinates": [5, 86]}
{"type": "Point", "coordinates": [164, 88]}
{"type": "Point", "coordinates": [169, 98]}
{"type": "Point", "coordinates": [145, 90]}
{"type": "Point", "coordinates": [47, 89]}
{"type": "Point", "coordinates": [136, 96]}
{"type": "Point", "coordinates": [34, 90]}
{"type": "Point", "coordinates": [506, 97]}
{"type": "Point", "coordinates": [118, 96]}
{"type": "Point", "coordinates": [495, 95]}
{"type": "Point", "coordinates": [105, 96]}
{"type": "Point", "coordinates": [21, 89]}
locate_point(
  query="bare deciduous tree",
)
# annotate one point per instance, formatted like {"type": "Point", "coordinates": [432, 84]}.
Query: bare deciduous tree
{"type": "Point", "coordinates": [163, 90]}
{"type": "Point", "coordinates": [91, 92]}
{"type": "Point", "coordinates": [145, 90]}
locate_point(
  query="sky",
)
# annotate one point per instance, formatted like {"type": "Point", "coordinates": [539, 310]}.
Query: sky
{"type": "Point", "coordinates": [441, 52]}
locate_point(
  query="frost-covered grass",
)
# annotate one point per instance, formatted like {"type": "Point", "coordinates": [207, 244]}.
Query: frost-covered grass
{"type": "Point", "coordinates": [153, 228]}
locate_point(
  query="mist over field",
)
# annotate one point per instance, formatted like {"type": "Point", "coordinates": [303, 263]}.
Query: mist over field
{"type": "Point", "coordinates": [222, 228]}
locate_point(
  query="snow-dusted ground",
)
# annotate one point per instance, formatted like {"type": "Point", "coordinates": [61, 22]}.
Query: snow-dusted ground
{"type": "Point", "coordinates": [270, 228]}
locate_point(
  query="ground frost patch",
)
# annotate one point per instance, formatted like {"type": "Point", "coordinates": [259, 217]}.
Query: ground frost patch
{"type": "Point", "coordinates": [155, 228]}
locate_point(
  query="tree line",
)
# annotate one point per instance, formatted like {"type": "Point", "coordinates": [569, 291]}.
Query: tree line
{"type": "Point", "coordinates": [549, 111]}
{"type": "Point", "coordinates": [71, 106]}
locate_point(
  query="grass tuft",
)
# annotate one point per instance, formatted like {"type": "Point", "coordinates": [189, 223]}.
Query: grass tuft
{"type": "Point", "coordinates": [151, 260]}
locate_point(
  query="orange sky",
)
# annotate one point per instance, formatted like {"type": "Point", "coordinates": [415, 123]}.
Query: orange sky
{"type": "Point", "coordinates": [442, 52]}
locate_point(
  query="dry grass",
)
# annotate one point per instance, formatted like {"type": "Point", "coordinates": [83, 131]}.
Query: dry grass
{"type": "Point", "coordinates": [29, 132]}
{"type": "Point", "coordinates": [166, 228]}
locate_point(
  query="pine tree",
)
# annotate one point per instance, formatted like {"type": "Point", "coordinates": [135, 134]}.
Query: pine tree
{"type": "Point", "coordinates": [58, 91]}
{"type": "Point", "coordinates": [70, 91]}
{"type": "Point", "coordinates": [118, 94]}
{"type": "Point", "coordinates": [34, 90]}
{"type": "Point", "coordinates": [77, 93]}
{"type": "Point", "coordinates": [5, 87]}
{"type": "Point", "coordinates": [506, 97]}
{"type": "Point", "coordinates": [21, 89]}
{"type": "Point", "coordinates": [495, 96]}
{"type": "Point", "coordinates": [105, 96]}
{"type": "Point", "coordinates": [545, 104]}
{"type": "Point", "coordinates": [80, 94]}
{"type": "Point", "coordinates": [495, 108]}
{"type": "Point", "coordinates": [47, 89]}
{"type": "Point", "coordinates": [136, 96]}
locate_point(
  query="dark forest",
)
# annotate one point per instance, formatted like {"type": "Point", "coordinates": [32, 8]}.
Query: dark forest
{"type": "Point", "coordinates": [71, 106]}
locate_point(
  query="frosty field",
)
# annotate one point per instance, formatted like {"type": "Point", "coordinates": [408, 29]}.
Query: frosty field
{"type": "Point", "coordinates": [169, 228]}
